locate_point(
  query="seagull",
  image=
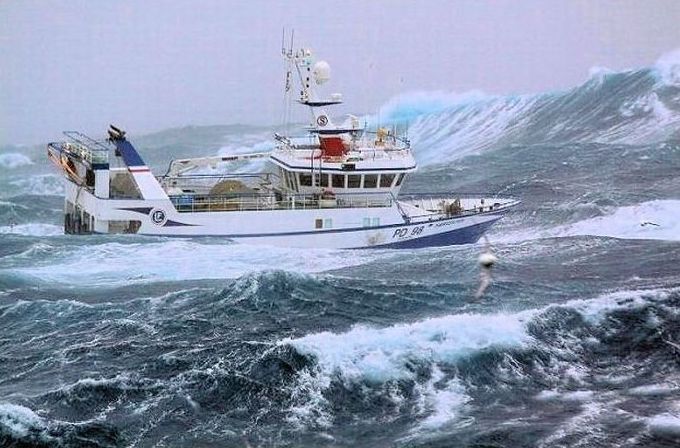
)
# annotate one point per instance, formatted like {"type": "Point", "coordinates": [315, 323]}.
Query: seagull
{"type": "Point", "coordinates": [486, 261]}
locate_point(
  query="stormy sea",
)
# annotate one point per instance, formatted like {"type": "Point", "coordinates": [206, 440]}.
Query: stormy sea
{"type": "Point", "coordinates": [134, 341]}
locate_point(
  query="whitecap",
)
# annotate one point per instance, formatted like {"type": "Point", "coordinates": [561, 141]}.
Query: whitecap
{"type": "Point", "coordinates": [664, 425]}
{"type": "Point", "coordinates": [668, 67]}
{"type": "Point", "coordinates": [569, 396]}
{"type": "Point", "coordinates": [380, 355]}
{"type": "Point", "coordinates": [648, 220]}
{"type": "Point", "coordinates": [383, 354]}
{"type": "Point", "coordinates": [14, 160]}
{"type": "Point", "coordinates": [440, 404]}
{"type": "Point", "coordinates": [172, 259]}
{"type": "Point", "coordinates": [653, 389]}
{"type": "Point", "coordinates": [33, 229]}
{"type": "Point", "coordinates": [408, 106]}
{"type": "Point", "coordinates": [19, 421]}
{"type": "Point", "coordinates": [42, 185]}
{"type": "Point", "coordinates": [652, 220]}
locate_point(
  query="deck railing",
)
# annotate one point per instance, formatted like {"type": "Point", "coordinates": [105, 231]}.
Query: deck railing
{"type": "Point", "coordinates": [451, 204]}
{"type": "Point", "coordinates": [275, 201]}
{"type": "Point", "coordinates": [89, 149]}
{"type": "Point", "coordinates": [391, 146]}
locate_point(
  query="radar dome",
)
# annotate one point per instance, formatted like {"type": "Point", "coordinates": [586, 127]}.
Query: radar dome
{"type": "Point", "coordinates": [322, 72]}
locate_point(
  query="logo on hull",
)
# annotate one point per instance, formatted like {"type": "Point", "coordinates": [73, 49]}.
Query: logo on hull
{"type": "Point", "coordinates": [158, 216]}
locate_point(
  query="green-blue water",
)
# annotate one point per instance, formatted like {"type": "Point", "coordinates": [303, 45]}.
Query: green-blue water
{"type": "Point", "coordinates": [138, 341]}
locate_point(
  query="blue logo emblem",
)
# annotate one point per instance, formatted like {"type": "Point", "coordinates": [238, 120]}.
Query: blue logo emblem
{"type": "Point", "coordinates": [158, 217]}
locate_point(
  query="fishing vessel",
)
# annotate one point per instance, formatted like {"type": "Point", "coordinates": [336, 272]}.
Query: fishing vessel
{"type": "Point", "coordinates": [337, 186]}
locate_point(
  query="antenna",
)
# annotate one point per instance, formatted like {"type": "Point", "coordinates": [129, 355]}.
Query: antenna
{"type": "Point", "coordinates": [283, 38]}
{"type": "Point", "coordinates": [288, 62]}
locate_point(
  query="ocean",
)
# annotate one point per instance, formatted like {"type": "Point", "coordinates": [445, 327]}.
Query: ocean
{"type": "Point", "coordinates": [134, 341]}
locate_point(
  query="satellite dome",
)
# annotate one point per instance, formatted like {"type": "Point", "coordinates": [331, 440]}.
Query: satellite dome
{"type": "Point", "coordinates": [322, 72]}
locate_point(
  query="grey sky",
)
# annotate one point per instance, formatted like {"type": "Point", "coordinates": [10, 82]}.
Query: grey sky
{"type": "Point", "coordinates": [149, 65]}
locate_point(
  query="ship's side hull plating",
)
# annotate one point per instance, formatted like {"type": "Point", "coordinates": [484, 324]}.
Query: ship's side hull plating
{"type": "Point", "coordinates": [338, 228]}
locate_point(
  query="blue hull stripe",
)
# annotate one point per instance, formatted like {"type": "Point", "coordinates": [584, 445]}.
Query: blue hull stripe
{"type": "Point", "coordinates": [466, 235]}
{"type": "Point", "coordinates": [317, 232]}
{"type": "Point", "coordinates": [146, 210]}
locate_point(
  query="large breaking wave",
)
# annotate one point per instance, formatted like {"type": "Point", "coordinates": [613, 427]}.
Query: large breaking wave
{"type": "Point", "coordinates": [577, 365]}
{"type": "Point", "coordinates": [437, 367]}
{"type": "Point", "coordinates": [630, 107]}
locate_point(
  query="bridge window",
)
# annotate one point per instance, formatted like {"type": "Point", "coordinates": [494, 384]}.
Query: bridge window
{"type": "Point", "coordinates": [353, 181]}
{"type": "Point", "coordinates": [371, 181]}
{"type": "Point", "coordinates": [325, 180]}
{"type": "Point", "coordinates": [305, 180]}
{"type": "Point", "coordinates": [386, 180]}
{"type": "Point", "coordinates": [399, 179]}
{"type": "Point", "coordinates": [338, 181]}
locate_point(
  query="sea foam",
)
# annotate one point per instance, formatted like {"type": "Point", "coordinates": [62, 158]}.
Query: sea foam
{"type": "Point", "coordinates": [18, 421]}
{"type": "Point", "coordinates": [652, 220]}
{"type": "Point", "coordinates": [14, 160]}
{"type": "Point", "coordinates": [380, 355]}
{"type": "Point", "coordinates": [648, 220]}
{"type": "Point", "coordinates": [668, 67]}
{"type": "Point", "coordinates": [383, 354]}
{"type": "Point", "coordinates": [114, 263]}
{"type": "Point", "coordinates": [664, 425]}
{"type": "Point", "coordinates": [410, 105]}
{"type": "Point", "coordinates": [33, 229]}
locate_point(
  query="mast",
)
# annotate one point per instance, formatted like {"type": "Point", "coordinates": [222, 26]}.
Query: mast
{"type": "Point", "coordinates": [310, 72]}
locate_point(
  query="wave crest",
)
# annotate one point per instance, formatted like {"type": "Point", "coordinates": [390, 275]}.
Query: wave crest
{"type": "Point", "coordinates": [627, 107]}
{"type": "Point", "coordinates": [19, 421]}
{"type": "Point", "coordinates": [14, 160]}
{"type": "Point", "coordinates": [410, 105]}
{"type": "Point", "coordinates": [439, 362]}
{"type": "Point", "coordinates": [668, 68]}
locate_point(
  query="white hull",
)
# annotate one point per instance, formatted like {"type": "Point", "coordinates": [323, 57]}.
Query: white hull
{"type": "Point", "coordinates": [343, 228]}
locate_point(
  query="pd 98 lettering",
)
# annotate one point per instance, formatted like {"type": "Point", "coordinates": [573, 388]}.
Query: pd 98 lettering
{"type": "Point", "coordinates": [403, 232]}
